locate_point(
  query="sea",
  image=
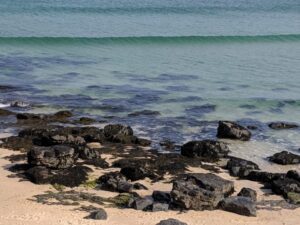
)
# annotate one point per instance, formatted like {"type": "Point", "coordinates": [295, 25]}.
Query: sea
{"type": "Point", "coordinates": [182, 64]}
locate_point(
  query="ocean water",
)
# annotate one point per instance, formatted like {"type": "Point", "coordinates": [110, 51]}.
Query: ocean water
{"type": "Point", "coordinates": [194, 61]}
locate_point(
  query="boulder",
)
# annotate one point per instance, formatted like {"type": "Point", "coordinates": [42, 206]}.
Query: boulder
{"type": "Point", "coordinates": [99, 214]}
{"type": "Point", "coordinates": [285, 158]}
{"type": "Point", "coordinates": [39, 175]}
{"type": "Point", "coordinates": [282, 125]}
{"type": "Point", "coordinates": [134, 173]}
{"type": "Point", "coordinates": [55, 157]}
{"type": "Point", "coordinates": [207, 150]}
{"type": "Point", "coordinates": [240, 167]}
{"type": "Point", "coordinates": [171, 222]}
{"type": "Point", "coordinates": [249, 193]}
{"type": "Point", "coordinates": [161, 196]}
{"type": "Point", "coordinates": [117, 129]}
{"type": "Point", "coordinates": [143, 203]}
{"type": "Point", "coordinates": [240, 205]}
{"type": "Point", "coordinates": [114, 181]}
{"type": "Point", "coordinates": [233, 130]}
{"type": "Point", "coordinates": [200, 191]}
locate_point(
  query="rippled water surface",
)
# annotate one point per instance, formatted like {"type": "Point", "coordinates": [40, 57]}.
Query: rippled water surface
{"type": "Point", "coordinates": [195, 62]}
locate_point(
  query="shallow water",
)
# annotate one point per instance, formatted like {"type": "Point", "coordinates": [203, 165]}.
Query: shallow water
{"type": "Point", "coordinates": [195, 62]}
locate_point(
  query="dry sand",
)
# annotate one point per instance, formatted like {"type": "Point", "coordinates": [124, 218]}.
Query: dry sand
{"type": "Point", "coordinates": [16, 208]}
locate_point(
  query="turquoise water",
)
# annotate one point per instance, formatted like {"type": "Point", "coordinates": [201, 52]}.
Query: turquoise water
{"type": "Point", "coordinates": [192, 61]}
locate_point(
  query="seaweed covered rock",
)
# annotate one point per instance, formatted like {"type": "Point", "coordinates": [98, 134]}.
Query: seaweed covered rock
{"type": "Point", "coordinates": [200, 191]}
{"type": "Point", "coordinates": [282, 125]}
{"type": "Point", "coordinates": [114, 181]}
{"type": "Point", "coordinates": [240, 205]}
{"type": "Point", "coordinates": [285, 158]}
{"type": "Point", "coordinates": [232, 130]}
{"type": "Point", "coordinates": [207, 150]}
{"type": "Point", "coordinates": [55, 157]}
{"type": "Point", "coordinates": [240, 167]}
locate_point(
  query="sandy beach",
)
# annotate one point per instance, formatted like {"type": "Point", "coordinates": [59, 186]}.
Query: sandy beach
{"type": "Point", "coordinates": [18, 208]}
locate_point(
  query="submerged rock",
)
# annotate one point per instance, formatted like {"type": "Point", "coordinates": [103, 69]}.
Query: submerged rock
{"type": "Point", "coordinates": [56, 157]}
{"type": "Point", "coordinates": [232, 130]}
{"type": "Point", "coordinates": [282, 125]}
{"type": "Point", "coordinates": [171, 222]}
{"type": "Point", "coordinates": [249, 193]}
{"type": "Point", "coordinates": [200, 191]}
{"type": "Point", "coordinates": [285, 158]}
{"type": "Point", "coordinates": [144, 113]}
{"type": "Point", "coordinates": [208, 150]}
{"type": "Point", "coordinates": [240, 205]}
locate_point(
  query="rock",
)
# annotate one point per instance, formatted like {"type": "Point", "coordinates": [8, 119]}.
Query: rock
{"type": "Point", "coordinates": [143, 203]}
{"type": "Point", "coordinates": [282, 125]}
{"type": "Point", "coordinates": [63, 114]}
{"type": "Point", "coordinates": [144, 113]}
{"type": "Point", "coordinates": [39, 175]}
{"type": "Point", "coordinates": [161, 196]}
{"type": "Point", "coordinates": [117, 129]}
{"type": "Point", "coordinates": [171, 222]}
{"type": "Point", "coordinates": [48, 140]}
{"type": "Point", "coordinates": [86, 120]}
{"type": "Point", "coordinates": [157, 206]}
{"type": "Point", "coordinates": [4, 112]}
{"type": "Point", "coordinates": [89, 153]}
{"type": "Point", "coordinates": [143, 142]}
{"type": "Point", "coordinates": [240, 205]}
{"type": "Point", "coordinates": [293, 197]}
{"type": "Point", "coordinates": [240, 167]}
{"type": "Point", "coordinates": [31, 116]}
{"type": "Point", "coordinates": [168, 145]}
{"type": "Point", "coordinates": [233, 130]}
{"type": "Point", "coordinates": [70, 177]}
{"type": "Point", "coordinates": [285, 158]}
{"type": "Point", "coordinates": [293, 174]}
{"type": "Point", "coordinates": [114, 181]}
{"type": "Point", "coordinates": [207, 150]}
{"type": "Point", "coordinates": [134, 173]}
{"type": "Point", "coordinates": [139, 186]}
{"type": "Point", "coordinates": [248, 192]}
{"type": "Point", "coordinates": [17, 143]}
{"type": "Point", "coordinates": [263, 177]}
{"type": "Point", "coordinates": [200, 191]}
{"type": "Point", "coordinates": [99, 214]}
{"type": "Point", "coordinates": [285, 185]}
{"type": "Point", "coordinates": [56, 157]}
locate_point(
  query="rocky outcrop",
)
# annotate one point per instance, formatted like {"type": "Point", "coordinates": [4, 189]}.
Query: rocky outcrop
{"type": "Point", "coordinates": [54, 157]}
{"type": "Point", "coordinates": [282, 125]}
{"type": "Point", "coordinates": [200, 191]}
{"type": "Point", "coordinates": [240, 205]}
{"type": "Point", "coordinates": [232, 130]}
{"type": "Point", "coordinates": [207, 150]}
{"type": "Point", "coordinates": [285, 158]}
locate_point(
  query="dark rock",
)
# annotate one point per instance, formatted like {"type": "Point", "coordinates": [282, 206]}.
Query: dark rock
{"type": "Point", "coordinates": [240, 167]}
{"type": "Point", "coordinates": [168, 145]}
{"type": "Point", "coordinates": [99, 214]}
{"type": "Point", "coordinates": [240, 205]}
{"type": "Point", "coordinates": [57, 157]}
{"type": "Point", "coordinates": [139, 186]}
{"type": "Point", "coordinates": [161, 196]}
{"type": "Point", "coordinates": [4, 112]}
{"type": "Point", "coordinates": [157, 206]}
{"type": "Point", "coordinates": [207, 150]}
{"type": "Point", "coordinates": [285, 158]}
{"type": "Point", "coordinates": [200, 191]}
{"type": "Point", "coordinates": [31, 117]}
{"type": "Point", "coordinates": [143, 142]}
{"type": "Point", "coordinates": [293, 174]}
{"type": "Point", "coordinates": [134, 173]}
{"type": "Point", "coordinates": [285, 185]}
{"type": "Point", "coordinates": [39, 175]}
{"type": "Point", "coordinates": [117, 129]}
{"type": "Point", "coordinates": [144, 113]}
{"type": "Point", "coordinates": [114, 181]}
{"type": "Point", "coordinates": [63, 114]}
{"type": "Point", "coordinates": [89, 153]}
{"type": "Point", "coordinates": [86, 120]}
{"type": "Point", "coordinates": [48, 140]}
{"type": "Point", "coordinates": [171, 222]}
{"type": "Point", "coordinates": [282, 125]}
{"type": "Point", "coordinates": [143, 203]}
{"type": "Point", "coordinates": [233, 130]}
{"type": "Point", "coordinates": [263, 177]}
{"type": "Point", "coordinates": [248, 192]}
{"type": "Point", "coordinates": [17, 143]}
